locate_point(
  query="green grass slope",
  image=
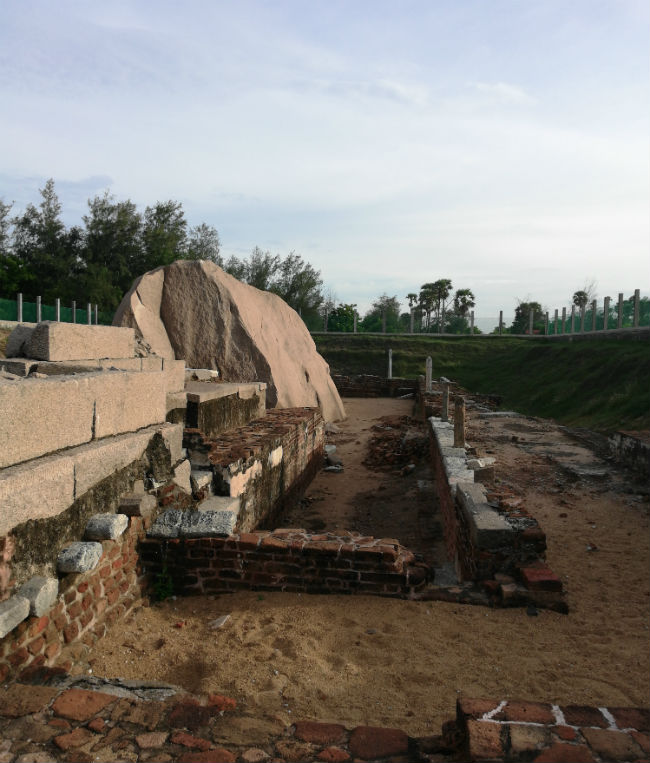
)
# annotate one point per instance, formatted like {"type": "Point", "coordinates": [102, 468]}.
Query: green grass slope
{"type": "Point", "coordinates": [599, 384]}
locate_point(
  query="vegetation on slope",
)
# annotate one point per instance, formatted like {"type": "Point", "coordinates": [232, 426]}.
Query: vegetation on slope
{"type": "Point", "coordinates": [598, 384]}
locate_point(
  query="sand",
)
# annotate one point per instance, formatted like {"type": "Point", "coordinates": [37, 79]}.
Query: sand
{"type": "Point", "coordinates": [369, 660]}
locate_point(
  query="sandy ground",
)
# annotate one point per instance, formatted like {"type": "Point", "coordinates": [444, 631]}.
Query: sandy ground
{"type": "Point", "coordinates": [368, 660]}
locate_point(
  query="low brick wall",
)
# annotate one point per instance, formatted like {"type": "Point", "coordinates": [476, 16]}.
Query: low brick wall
{"type": "Point", "coordinates": [367, 385]}
{"type": "Point", "coordinates": [87, 606]}
{"type": "Point", "coordinates": [284, 560]}
{"type": "Point", "coordinates": [263, 463]}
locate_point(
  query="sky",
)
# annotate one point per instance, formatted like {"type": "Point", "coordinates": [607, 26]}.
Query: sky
{"type": "Point", "coordinates": [503, 145]}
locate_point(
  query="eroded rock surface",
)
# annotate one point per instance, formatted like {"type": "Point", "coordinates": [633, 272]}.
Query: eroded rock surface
{"type": "Point", "coordinates": [196, 312]}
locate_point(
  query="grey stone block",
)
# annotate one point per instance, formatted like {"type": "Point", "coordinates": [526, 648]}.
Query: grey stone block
{"type": "Point", "coordinates": [220, 503]}
{"type": "Point", "coordinates": [106, 526]}
{"type": "Point", "coordinates": [12, 613]}
{"type": "Point", "coordinates": [41, 594]}
{"type": "Point", "coordinates": [488, 528]}
{"type": "Point", "coordinates": [79, 557]}
{"type": "Point", "coordinates": [18, 340]}
{"type": "Point", "coordinates": [138, 504]}
{"type": "Point", "coordinates": [205, 524]}
{"type": "Point", "coordinates": [167, 525]}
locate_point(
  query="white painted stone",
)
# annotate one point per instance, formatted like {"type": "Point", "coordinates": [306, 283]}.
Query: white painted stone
{"type": "Point", "coordinates": [238, 480]}
{"type": "Point", "coordinates": [12, 612]}
{"type": "Point", "coordinates": [79, 557]}
{"type": "Point", "coordinates": [41, 593]}
{"type": "Point", "coordinates": [106, 526]}
{"type": "Point", "coordinates": [275, 457]}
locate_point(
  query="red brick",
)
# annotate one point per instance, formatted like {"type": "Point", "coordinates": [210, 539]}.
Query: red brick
{"type": "Point", "coordinates": [565, 753]}
{"type": "Point", "coordinates": [97, 724]}
{"type": "Point", "coordinates": [18, 700]}
{"type": "Point", "coordinates": [113, 596]}
{"type": "Point", "coordinates": [221, 703]}
{"type": "Point", "coordinates": [70, 632]}
{"type": "Point", "coordinates": [18, 657]}
{"type": "Point", "coordinates": [218, 755]}
{"type": "Point", "coordinates": [642, 739]}
{"type": "Point", "coordinates": [52, 650]}
{"type": "Point", "coordinates": [86, 601]}
{"type": "Point", "coordinates": [60, 622]}
{"type": "Point", "coordinates": [540, 577]}
{"type": "Point", "coordinates": [333, 755]}
{"type": "Point", "coordinates": [565, 732]}
{"type": "Point", "coordinates": [370, 742]}
{"type": "Point", "coordinates": [75, 738]}
{"type": "Point", "coordinates": [527, 712]}
{"type": "Point", "coordinates": [60, 723]}
{"type": "Point", "coordinates": [83, 587]}
{"type": "Point", "coordinates": [36, 646]}
{"type": "Point", "coordinates": [583, 715]}
{"type": "Point", "coordinates": [104, 571]}
{"type": "Point", "coordinates": [187, 740]}
{"type": "Point", "coordinates": [274, 545]}
{"type": "Point", "coordinates": [469, 707]}
{"type": "Point", "coordinates": [74, 610]}
{"type": "Point", "coordinates": [319, 733]}
{"type": "Point", "coordinates": [4, 671]}
{"type": "Point", "coordinates": [631, 718]}
{"type": "Point", "coordinates": [39, 625]}
{"type": "Point", "coordinates": [70, 596]}
{"type": "Point", "coordinates": [81, 705]}
{"type": "Point", "coordinates": [189, 714]}
{"type": "Point", "coordinates": [484, 740]}
{"type": "Point", "coordinates": [612, 745]}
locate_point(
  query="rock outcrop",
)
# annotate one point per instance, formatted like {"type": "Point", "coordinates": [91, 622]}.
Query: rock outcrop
{"type": "Point", "coordinates": [196, 312]}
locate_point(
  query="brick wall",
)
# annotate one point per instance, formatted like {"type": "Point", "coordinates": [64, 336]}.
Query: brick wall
{"type": "Point", "coordinates": [87, 606]}
{"type": "Point", "coordinates": [367, 385]}
{"type": "Point", "coordinates": [285, 560]}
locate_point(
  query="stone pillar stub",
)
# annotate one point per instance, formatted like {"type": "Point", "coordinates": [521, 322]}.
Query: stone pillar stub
{"type": "Point", "coordinates": [429, 374]}
{"type": "Point", "coordinates": [444, 414]}
{"type": "Point", "coordinates": [459, 422]}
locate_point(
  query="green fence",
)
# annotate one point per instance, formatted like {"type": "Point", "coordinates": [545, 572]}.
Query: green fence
{"type": "Point", "coordinates": [9, 312]}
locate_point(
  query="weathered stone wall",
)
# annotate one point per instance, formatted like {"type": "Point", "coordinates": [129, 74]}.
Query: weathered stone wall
{"type": "Point", "coordinates": [284, 560]}
{"type": "Point", "coordinates": [633, 450]}
{"type": "Point", "coordinates": [87, 605]}
{"type": "Point", "coordinates": [367, 385]}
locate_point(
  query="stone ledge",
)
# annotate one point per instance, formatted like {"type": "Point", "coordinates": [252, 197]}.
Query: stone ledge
{"type": "Point", "coordinates": [488, 528]}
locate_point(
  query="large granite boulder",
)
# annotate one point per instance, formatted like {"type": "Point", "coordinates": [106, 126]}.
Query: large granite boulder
{"type": "Point", "coordinates": [196, 312]}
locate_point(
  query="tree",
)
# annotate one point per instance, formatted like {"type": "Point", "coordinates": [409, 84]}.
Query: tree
{"type": "Point", "coordinates": [463, 302]}
{"type": "Point", "coordinates": [204, 244]}
{"type": "Point", "coordinates": [10, 266]}
{"type": "Point", "coordinates": [342, 318]}
{"type": "Point", "coordinates": [521, 322]}
{"type": "Point", "coordinates": [384, 310]}
{"type": "Point", "coordinates": [164, 234]}
{"type": "Point", "coordinates": [298, 284]}
{"type": "Point", "coordinates": [40, 242]}
{"type": "Point", "coordinates": [584, 296]}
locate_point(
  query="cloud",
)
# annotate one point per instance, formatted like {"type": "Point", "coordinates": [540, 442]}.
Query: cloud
{"type": "Point", "coordinates": [504, 92]}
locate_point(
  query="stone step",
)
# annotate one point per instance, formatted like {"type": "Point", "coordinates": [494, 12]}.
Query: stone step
{"type": "Point", "coordinates": [215, 408]}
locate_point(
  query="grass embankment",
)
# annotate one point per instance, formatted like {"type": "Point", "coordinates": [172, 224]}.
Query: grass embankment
{"type": "Point", "coordinates": [598, 384]}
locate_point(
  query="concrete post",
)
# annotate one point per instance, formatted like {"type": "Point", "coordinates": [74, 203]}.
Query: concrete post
{"type": "Point", "coordinates": [619, 317]}
{"type": "Point", "coordinates": [429, 375]}
{"type": "Point", "coordinates": [606, 313]}
{"type": "Point", "coordinates": [637, 305]}
{"type": "Point", "coordinates": [58, 310]}
{"type": "Point", "coordinates": [573, 319]}
{"type": "Point", "coordinates": [96, 315]}
{"type": "Point", "coordinates": [555, 321]}
{"type": "Point", "coordinates": [390, 364]}
{"type": "Point", "coordinates": [89, 313]}
{"type": "Point", "coordinates": [531, 316]}
{"type": "Point", "coordinates": [74, 311]}
{"type": "Point", "coordinates": [356, 317]}
{"type": "Point", "coordinates": [412, 320]}
{"type": "Point", "coordinates": [500, 321]}
{"type": "Point", "coordinates": [471, 323]}
{"type": "Point", "coordinates": [444, 413]}
{"type": "Point", "coordinates": [564, 320]}
{"type": "Point", "coordinates": [582, 319]}
{"type": "Point", "coordinates": [383, 322]}
{"type": "Point", "coordinates": [594, 313]}
{"type": "Point", "coordinates": [38, 309]}
{"type": "Point", "coordinates": [459, 422]}
{"type": "Point", "coordinates": [19, 308]}
{"type": "Point", "coordinates": [546, 323]}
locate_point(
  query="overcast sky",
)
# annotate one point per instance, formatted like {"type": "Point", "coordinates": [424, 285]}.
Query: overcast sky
{"type": "Point", "coordinates": [502, 143]}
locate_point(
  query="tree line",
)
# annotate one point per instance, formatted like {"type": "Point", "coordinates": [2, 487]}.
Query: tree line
{"type": "Point", "coordinates": [98, 262]}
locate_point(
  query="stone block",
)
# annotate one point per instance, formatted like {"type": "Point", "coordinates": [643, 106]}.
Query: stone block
{"type": "Point", "coordinates": [41, 594]}
{"type": "Point", "coordinates": [18, 366]}
{"type": "Point", "coordinates": [138, 504]}
{"type": "Point", "coordinates": [167, 525]}
{"type": "Point", "coordinates": [174, 371]}
{"type": "Point", "coordinates": [76, 341]}
{"type": "Point", "coordinates": [220, 503]}
{"type": "Point", "coordinates": [127, 401]}
{"type": "Point", "coordinates": [201, 374]}
{"type": "Point", "coordinates": [18, 340]}
{"type": "Point", "coordinates": [39, 416]}
{"type": "Point", "coordinates": [12, 612]}
{"type": "Point", "coordinates": [200, 479]}
{"type": "Point", "coordinates": [175, 400]}
{"type": "Point", "coordinates": [79, 557]}
{"type": "Point", "coordinates": [182, 476]}
{"type": "Point", "coordinates": [151, 363]}
{"type": "Point", "coordinates": [206, 524]}
{"type": "Point", "coordinates": [172, 434]}
{"type": "Point", "coordinates": [36, 490]}
{"type": "Point", "coordinates": [488, 528]}
{"type": "Point", "coordinates": [106, 526]}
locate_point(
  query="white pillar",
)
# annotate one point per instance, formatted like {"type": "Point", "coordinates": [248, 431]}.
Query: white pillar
{"type": "Point", "coordinates": [619, 317]}
{"type": "Point", "coordinates": [555, 330]}
{"type": "Point", "coordinates": [74, 311]}
{"type": "Point", "coordinates": [564, 320]}
{"type": "Point", "coordinates": [96, 315]}
{"type": "Point", "coordinates": [429, 375]}
{"type": "Point", "coordinates": [38, 309]}
{"type": "Point", "coordinates": [594, 312]}
{"type": "Point", "coordinates": [19, 307]}
{"type": "Point", "coordinates": [390, 364]}
{"type": "Point", "coordinates": [58, 310]}
{"type": "Point", "coordinates": [444, 413]}
{"type": "Point", "coordinates": [637, 300]}
{"type": "Point", "coordinates": [471, 322]}
{"type": "Point", "coordinates": [606, 313]}
{"type": "Point", "coordinates": [500, 321]}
